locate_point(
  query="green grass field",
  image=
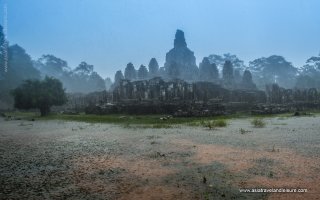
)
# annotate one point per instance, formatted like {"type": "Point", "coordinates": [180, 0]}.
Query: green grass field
{"type": "Point", "coordinates": [155, 121]}
{"type": "Point", "coordinates": [152, 120]}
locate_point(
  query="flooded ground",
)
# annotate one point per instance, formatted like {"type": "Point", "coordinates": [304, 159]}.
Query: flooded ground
{"type": "Point", "coordinates": [75, 160]}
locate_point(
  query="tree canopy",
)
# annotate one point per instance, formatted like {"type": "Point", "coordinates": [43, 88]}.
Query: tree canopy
{"type": "Point", "coordinates": [39, 94]}
{"type": "Point", "coordinates": [309, 76]}
{"type": "Point", "coordinates": [219, 60]}
{"type": "Point", "coordinates": [81, 79]}
{"type": "Point", "coordinates": [273, 69]}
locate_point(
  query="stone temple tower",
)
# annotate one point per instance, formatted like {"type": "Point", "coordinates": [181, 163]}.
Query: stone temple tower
{"type": "Point", "coordinates": [180, 61]}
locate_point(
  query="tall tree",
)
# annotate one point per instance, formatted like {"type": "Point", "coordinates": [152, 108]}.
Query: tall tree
{"type": "Point", "coordinates": [130, 72]}
{"type": "Point", "coordinates": [309, 76]}
{"type": "Point", "coordinates": [49, 65]}
{"type": "Point", "coordinates": [84, 68]}
{"type": "Point", "coordinates": [219, 60]}
{"type": "Point", "coordinates": [96, 82]}
{"type": "Point", "coordinates": [3, 53]}
{"type": "Point", "coordinates": [142, 72]}
{"type": "Point", "coordinates": [306, 81]}
{"type": "Point", "coordinates": [312, 66]}
{"type": "Point", "coordinates": [273, 69]}
{"type": "Point", "coordinates": [86, 79]}
{"type": "Point", "coordinates": [20, 67]}
{"type": "Point", "coordinates": [153, 68]}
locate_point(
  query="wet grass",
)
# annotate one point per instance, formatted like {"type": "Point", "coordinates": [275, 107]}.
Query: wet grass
{"type": "Point", "coordinates": [212, 124]}
{"type": "Point", "coordinates": [149, 121]}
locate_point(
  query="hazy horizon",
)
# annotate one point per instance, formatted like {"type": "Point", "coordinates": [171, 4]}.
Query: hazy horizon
{"type": "Point", "coordinates": [109, 34]}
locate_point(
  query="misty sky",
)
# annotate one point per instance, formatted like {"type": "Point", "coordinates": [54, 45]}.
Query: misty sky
{"type": "Point", "coordinates": [111, 33]}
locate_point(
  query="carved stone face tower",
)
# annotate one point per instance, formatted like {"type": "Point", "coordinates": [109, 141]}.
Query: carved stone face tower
{"type": "Point", "coordinates": [179, 40]}
{"type": "Point", "coordinates": [180, 61]}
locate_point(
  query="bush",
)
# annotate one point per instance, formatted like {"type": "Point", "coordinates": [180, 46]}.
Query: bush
{"type": "Point", "coordinates": [258, 123]}
{"type": "Point", "coordinates": [220, 123]}
{"type": "Point", "coordinates": [215, 123]}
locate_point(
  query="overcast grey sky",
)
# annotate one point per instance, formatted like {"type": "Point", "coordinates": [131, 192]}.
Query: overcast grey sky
{"type": "Point", "coordinates": [111, 33]}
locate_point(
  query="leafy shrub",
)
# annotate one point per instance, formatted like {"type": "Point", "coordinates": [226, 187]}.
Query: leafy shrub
{"type": "Point", "coordinates": [215, 123]}
{"type": "Point", "coordinates": [220, 123]}
{"type": "Point", "coordinates": [258, 123]}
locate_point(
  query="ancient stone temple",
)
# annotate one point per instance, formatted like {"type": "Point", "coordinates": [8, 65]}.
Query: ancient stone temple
{"type": "Point", "coordinates": [180, 61]}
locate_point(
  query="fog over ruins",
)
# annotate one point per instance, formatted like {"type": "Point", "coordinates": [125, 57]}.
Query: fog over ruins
{"type": "Point", "coordinates": [136, 100]}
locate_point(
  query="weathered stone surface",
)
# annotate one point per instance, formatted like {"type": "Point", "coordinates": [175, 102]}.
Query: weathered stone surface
{"type": "Point", "coordinates": [153, 68]}
{"type": "Point", "coordinates": [227, 75]}
{"type": "Point", "coordinates": [207, 71]}
{"type": "Point", "coordinates": [142, 72]}
{"type": "Point", "coordinates": [247, 82]}
{"type": "Point", "coordinates": [180, 61]}
{"type": "Point", "coordinates": [130, 72]}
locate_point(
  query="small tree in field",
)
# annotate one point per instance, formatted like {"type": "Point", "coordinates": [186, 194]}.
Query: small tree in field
{"type": "Point", "coordinates": [39, 94]}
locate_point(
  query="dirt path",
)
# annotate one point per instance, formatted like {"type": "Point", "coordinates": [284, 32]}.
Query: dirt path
{"type": "Point", "coordinates": [72, 160]}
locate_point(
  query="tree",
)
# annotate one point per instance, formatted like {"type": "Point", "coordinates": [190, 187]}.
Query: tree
{"type": "Point", "coordinates": [52, 66]}
{"type": "Point", "coordinates": [81, 79]}
{"type": "Point", "coordinates": [130, 72]}
{"type": "Point", "coordinates": [273, 69]}
{"type": "Point", "coordinates": [84, 68]}
{"type": "Point", "coordinates": [15, 66]}
{"type": "Point", "coordinates": [20, 64]}
{"type": "Point", "coordinates": [49, 65]}
{"type": "Point", "coordinates": [207, 71]}
{"type": "Point", "coordinates": [142, 72]}
{"type": "Point", "coordinates": [153, 68]}
{"type": "Point", "coordinates": [3, 49]}
{"type": "Point", "coordinates": [39, 94]}
{"type": "Point", "coordinates": [86, 80]}
{"type": "Point", "coordinates": [95, 83]}
{"type": "Point", "coordinates": [227, 74]}
{"type": "Point", "coordinates": [305, 82]}
{"type": "Point", "coordinates": [220, 60]}
{"type": "Point", "coordinates": [310, 74]}
{"type": "Point", "coordinates": [312, 66]}
{"type": "Point", "coordinates": [20, 67]}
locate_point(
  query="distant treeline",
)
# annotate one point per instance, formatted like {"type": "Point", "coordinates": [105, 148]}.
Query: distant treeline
{"type": "Point", "coordinates": [16, 65]}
